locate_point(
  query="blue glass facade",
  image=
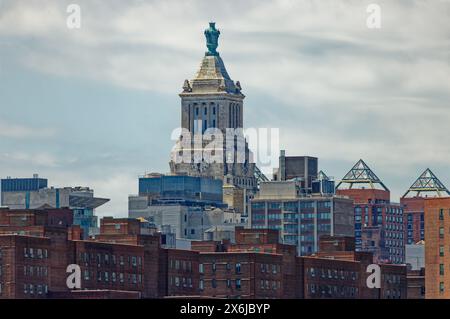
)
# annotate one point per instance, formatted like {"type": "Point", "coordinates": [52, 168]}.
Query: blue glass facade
{"type": "Point", "coordinates": [23, 184]}
{"type": "Point", "coordinates": [182, 188]}
{"type": "Point", "coordinates": [85, 218]}
{"type": "Point", "coordinates": [322, 187]}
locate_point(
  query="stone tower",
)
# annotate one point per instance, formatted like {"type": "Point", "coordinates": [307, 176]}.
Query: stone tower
{"type": "Point", "coordinates": [212, 101]}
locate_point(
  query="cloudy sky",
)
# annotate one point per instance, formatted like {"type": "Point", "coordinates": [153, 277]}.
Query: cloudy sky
{"type": "Point", "coordinates": [96, 106]}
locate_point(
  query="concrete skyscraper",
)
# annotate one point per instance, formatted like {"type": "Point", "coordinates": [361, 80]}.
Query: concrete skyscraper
{"type": "Point", "coordinates": [212, 104]}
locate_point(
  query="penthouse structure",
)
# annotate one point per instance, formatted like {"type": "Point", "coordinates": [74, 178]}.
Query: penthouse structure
{"type": "Point", "coordinates": [302, 168]}
{"type": "Point", "coordinates": [378, 222]}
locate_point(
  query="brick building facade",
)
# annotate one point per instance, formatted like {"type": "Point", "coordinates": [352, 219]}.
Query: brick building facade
{"type": "Point", "coordinates": [338, 272]}
{"type": "Point", "coordinates": [414, 219]}
{"type": "Point", "coordinates": [25, 267]}
{"type": "Point", "coordinates": [125, 261]}
{"type": "Point", "coordinates": [379, 224]}
{"type": "Point", "coordinates": [413, 201]}
{"type": "Point", "coordinates": [437, 254]}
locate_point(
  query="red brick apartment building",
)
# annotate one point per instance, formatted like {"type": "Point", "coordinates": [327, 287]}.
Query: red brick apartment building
{"type": "Point", "coordinates": [244, 270]}
{"type": "Point", "coordinates": [379, 225]}
{"type": "Point", "coordinates": [427, 185]}
{"type": "Point", "coordinates": [126, 261]}
{"type": "Point", "coordinates": [338, 272]}
{"type": "Point", "coordinates": [24, 267]}
{"type": "Point", "coordinates": [437, 243]}
{"type": "Point", "coordinates": [224, 274]}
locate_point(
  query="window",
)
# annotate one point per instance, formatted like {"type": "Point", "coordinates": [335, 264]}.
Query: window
{"type": "Point", "coordinates": [441, 269]}
{"type": "Point", "coordinates": [201, 268]}
{"type": "Point", "coordinates": [214, 268]}
{"type": "Point", "coordinates": [441, 251]}
{"type": "Point", "coordinates": [238, 268]}
{"type": "Point", "coordinates": [441, 287]}
{"type": "Point", "coordinates": [214, 283]}
{"type": "Point", "coordinates": [441, 232]}
{"type": "Point", "coordinates": [238, 284]}
{"type": "Point", "coordinates": [228, 283]}
{"type": "Point", "coordinates": [201, 284]}
{"type": "Point", "coordinates": [313, 288]}
{"type": "Point", "coordinates": [441, 214]}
